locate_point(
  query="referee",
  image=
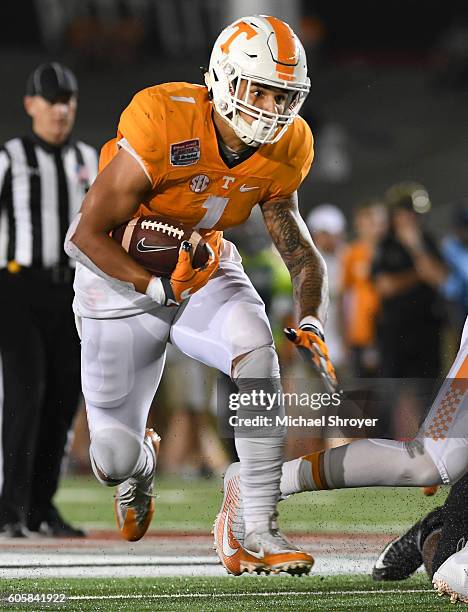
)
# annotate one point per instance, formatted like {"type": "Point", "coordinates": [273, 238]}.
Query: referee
{"type": "Point", "coordinates": [43, 179]}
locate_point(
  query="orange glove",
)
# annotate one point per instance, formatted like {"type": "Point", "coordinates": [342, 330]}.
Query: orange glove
{"type": "Point", "coordinates": [311, 344]}
{"type": "Point", "coordinates": [185, 280]}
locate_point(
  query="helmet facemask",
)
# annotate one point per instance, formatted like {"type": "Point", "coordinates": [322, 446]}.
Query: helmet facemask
{"type": "Point", "coordinates": [266, 127]}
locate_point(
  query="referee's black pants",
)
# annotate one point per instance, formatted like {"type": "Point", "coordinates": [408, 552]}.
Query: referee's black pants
{"type": "Point", "coordinates": [39, 389]}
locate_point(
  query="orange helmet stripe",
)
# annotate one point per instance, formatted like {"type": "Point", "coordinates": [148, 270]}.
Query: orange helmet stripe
{"type": "Point", "coordinates": [287, 58]}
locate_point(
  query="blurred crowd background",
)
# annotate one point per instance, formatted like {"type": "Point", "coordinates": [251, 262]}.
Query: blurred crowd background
{"type": "Point", "coordinates": [386, 200]}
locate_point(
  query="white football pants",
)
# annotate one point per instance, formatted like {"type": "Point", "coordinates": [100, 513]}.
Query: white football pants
{"type": "Point", "coordinates": [123, 360]}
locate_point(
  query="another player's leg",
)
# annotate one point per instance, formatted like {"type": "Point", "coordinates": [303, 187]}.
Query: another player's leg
{"type": "Point", "coordinates": [404, 555]}
{"type": "Point", "coordinates": [452, 577]}
{"type": "Point", "coordinates": [454, 533]}
{"type": "Point", "coordinates": [431, 541]}
{"type": "Point", "coordinates": [224, 326]}
{"type": "Point", "coordinates": [123, 361]}
{"type": "Point", "coordinates": [438, 454]}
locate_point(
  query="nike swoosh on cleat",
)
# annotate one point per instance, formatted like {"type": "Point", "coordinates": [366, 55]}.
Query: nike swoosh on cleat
{"type": "Point", "coordinates": [259, 555]}
{"type": "Point", "coordinates": [244, 188]}
{"type": "Point", "coordinates": [150, 248]}
{"type": "Point", "coordinates": [228, 551]}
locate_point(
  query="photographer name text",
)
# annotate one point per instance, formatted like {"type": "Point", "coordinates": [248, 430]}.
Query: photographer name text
{"type": "Point", "coordinates": [300, 421]}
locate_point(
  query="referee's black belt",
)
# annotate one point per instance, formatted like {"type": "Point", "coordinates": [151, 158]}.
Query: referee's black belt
{"type": "Point", "coordinates": [58, 274]}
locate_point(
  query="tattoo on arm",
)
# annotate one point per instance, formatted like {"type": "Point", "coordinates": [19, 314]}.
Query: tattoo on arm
{"type": "Point", "coordinates": [305, 264]}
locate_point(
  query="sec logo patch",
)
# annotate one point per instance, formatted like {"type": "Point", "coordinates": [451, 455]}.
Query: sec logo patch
{"type": "Point", "coordinates": [199, 183]}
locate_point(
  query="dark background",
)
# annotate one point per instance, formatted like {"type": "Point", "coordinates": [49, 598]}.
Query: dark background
{"type": "Point", "coordinates": [389, 81]}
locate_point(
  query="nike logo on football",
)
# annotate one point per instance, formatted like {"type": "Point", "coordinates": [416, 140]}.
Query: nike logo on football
{"type": "Point", "coordinates": [151, 248]}
{"type": "Point", "coordinates": [228, 551]}
{"type": "Point", "coordinates": [244, 188]}
{"type": "Point", "coordinates": [186, 293]}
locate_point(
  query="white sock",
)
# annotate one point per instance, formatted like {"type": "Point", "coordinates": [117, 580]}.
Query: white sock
{"type": "Point", "coordinates": [260, 472]}
{"type": "Point", "coordinates": [363, 463]}
{"type": "Point", "coordinates": [290, 478]}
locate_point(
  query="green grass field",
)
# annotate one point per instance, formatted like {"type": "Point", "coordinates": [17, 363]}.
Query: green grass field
{"type": "Point", "coordinates": [251, 593]}
{"type": "Point", "coordinates": [190, 506]}
{"type": "Point", "coordinates": [185, 505]}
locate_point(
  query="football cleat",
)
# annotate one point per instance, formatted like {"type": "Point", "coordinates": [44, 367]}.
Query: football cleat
{"type": "Point", "coordinates": [228, 528]}
{"type": "Point", "coordinates": [402, 557]}
{"type": "Point", "coordinates": [265, 552]}
{"type": "Point", "coordinates": [134, 500]}
{"type": "Point", "coordinates": [452, 577]}
{"type": "Point", "coordinates": [270, 552]}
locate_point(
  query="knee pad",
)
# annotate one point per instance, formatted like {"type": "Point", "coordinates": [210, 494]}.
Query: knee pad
{"type": "Point", "coordinates": [114, 453]}
{"type": "Point", "coordinates": [259, 363]}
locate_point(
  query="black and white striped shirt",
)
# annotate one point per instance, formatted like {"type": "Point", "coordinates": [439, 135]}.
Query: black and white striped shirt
{"type": "Point", "coordinates": [41, 191]}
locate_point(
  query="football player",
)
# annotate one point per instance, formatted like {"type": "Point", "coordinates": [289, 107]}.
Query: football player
{"type": "Point", "coordinates": [437, 455]}
{"type": "Point", "coordinates": [204, 156]}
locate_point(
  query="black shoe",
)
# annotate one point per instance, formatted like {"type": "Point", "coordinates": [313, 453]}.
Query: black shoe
{"type": "Point", "coordinates": [52, 525]}
{"type": "Point", "coordinates": [403, 556]}
{"type": "Point", "coordinates": [14, 530]}
{"type": "Point", "coordinates": [60, 529]}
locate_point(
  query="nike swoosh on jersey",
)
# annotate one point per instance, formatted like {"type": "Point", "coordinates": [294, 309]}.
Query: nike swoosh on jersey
{"type": "Point", "coordinates": [245, 187]}
{"type": "Point", "coordinates": [228, 551]}
{"type": "Point", "coordinates": [150, 248]}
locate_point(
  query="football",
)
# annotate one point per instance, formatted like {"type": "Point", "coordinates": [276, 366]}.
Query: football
{"type": "Point", "coordinates": [154, 242]}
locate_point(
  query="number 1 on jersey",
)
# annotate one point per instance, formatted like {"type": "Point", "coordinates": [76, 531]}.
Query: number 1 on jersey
{"type": "Point", "coordinates": [215, 206]}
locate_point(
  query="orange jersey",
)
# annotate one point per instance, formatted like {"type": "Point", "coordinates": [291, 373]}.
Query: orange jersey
{"type": "Point", "coordinates": [171, 130]}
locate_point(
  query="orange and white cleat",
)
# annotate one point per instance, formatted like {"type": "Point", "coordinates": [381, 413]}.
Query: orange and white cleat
{"type": "Point", "coordinates": [228, 528]}
{"type": "Point", "coordinates": [270, 552]}
{"type": "Point", "coordinates": [134, 500]}
{"type": "Point", "coordinates": [452, 577]}
{"type": "Point", "coordinates": [266, 552]}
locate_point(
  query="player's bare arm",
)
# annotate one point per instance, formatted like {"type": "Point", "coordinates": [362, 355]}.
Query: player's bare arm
{"type": "Point", "coordinates": [305, 264]}
{"type": "Point", "coordinates": [113, 199]}
{"type": "Point", "coordinates": [310, 284]}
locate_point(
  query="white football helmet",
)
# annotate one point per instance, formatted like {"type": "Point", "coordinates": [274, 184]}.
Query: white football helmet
{"type": "Point", "coordinates": [262, 50]}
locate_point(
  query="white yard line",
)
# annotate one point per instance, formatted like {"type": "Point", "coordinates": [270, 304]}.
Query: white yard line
{"type": "Point", "coordinates": [251, 594]}
{"type": "Point", "coordinates": [86, 565]}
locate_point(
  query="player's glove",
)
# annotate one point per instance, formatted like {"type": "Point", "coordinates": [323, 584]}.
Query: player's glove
{"type": "Point", "coordinates": [184, 280]}
{"type": "Point", "coordinates": [310, 342]}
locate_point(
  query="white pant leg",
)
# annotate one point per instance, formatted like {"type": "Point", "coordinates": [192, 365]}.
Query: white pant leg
{"type": "Point", "coordinates": [445, 429]}
{"type": "Point", "coordinates": [223, 320]}
{"type": "Point", "coordinates": [122, 364]}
